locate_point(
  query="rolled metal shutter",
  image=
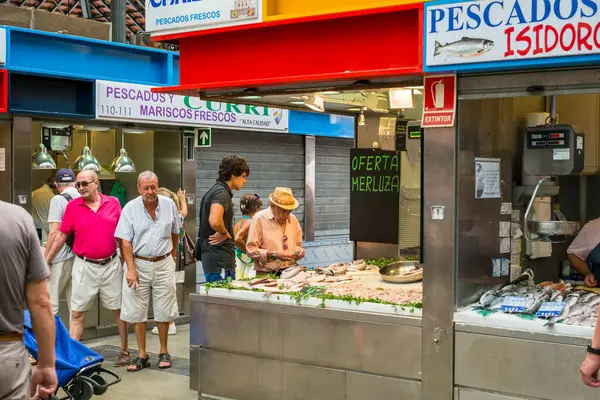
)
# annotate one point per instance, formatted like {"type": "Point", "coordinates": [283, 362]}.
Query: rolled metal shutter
{"type": "Point", "coordinates": [274, 160]}
{"type": "Point", "coordinates": [332, 187]}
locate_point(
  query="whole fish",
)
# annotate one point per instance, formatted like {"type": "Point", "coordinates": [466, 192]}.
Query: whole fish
{"type": "Point", "coordinates": [508, 288]}
{"type": "Point", "coordinates": [575, 320]}
{"type": "Point", "coordinates": [588, 322]}
{"type": "Point", "coordinates": [593, 302]}
{"type": "Point", "coordinates": [588, 296]}
{"type": "Point", "coordinates": [564, 314]}
{"type": "Point", "coordinates": [488, 298]}
{"type": "Point", "coordinates": [537, 303]}
{"type": "Point", "coordinates": [496, 304]}
{"type": "Point", "coordinates": [465, 47]}
{"type": "Point", "coordinates": [291, 272]}
{"type": "Point", "coordinates": [559, 299]}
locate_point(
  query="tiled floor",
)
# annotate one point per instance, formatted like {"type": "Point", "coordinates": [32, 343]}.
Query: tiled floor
{"type": "Point", "coordinates": [150, 383]}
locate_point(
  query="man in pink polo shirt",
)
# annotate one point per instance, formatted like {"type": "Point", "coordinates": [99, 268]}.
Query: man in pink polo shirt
{"type": "Point", "coordinates": [97, 269]}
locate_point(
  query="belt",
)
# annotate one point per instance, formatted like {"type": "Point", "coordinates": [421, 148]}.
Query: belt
{"type": "Point", "coordinates": [153, 259]}
{"type": "Point", "coordinates": [11, 337]}
{"type": "Point", "coordinates": [102, 261]}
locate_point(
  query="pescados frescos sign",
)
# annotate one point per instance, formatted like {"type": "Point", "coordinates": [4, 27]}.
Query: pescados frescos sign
{"type": "Point", "coordinates": [509, 30]}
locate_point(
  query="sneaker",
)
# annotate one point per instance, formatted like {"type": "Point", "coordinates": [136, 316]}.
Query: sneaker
{"type": "Point", "coordinates": [172, 330]}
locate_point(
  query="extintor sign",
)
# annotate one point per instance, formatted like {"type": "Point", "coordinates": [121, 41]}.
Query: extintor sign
{"type": "Point", "coordinates": [439, 106]}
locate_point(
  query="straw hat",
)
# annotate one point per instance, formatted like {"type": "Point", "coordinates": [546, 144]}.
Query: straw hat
{"type": "Point", "coordinates": [283, 198]}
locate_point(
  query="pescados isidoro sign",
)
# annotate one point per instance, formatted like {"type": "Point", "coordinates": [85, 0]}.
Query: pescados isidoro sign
{"type": "Point", "coordinates": [509, 30]}
{"type": "Point", "coordinates": [128, 102]}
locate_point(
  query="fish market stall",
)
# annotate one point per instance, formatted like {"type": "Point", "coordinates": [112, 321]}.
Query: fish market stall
{"type": "Point", "coordinates": [336, 332]}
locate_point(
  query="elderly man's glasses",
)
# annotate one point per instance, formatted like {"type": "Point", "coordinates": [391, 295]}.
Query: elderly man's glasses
{"type": "Point", "coordinates": [82, 184]}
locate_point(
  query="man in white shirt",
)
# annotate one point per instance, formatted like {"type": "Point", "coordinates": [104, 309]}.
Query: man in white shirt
{"type": "Point", "coordinates": [40, 206]}
{"type": "Point", "coordinates": [148, 231]}
{"type": "Point", "coordinates": [62, 265]}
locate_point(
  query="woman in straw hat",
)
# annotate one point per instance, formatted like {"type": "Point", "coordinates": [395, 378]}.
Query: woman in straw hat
{"type": "Point", "coordinates": [275, 236]}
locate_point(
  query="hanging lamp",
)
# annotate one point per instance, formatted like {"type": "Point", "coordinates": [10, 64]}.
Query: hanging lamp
{"type": "Point", "coordinates": [86, 161]}
{"type": "Point", "coordinates": [122, 163]}
{"type": "Point", "coordinates": [40, 159]}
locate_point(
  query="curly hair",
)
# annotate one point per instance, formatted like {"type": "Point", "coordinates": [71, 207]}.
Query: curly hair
{"type": "Point", "coordinates": [233, 165]}
{"type": "Point", "coordinates": [250, 203]}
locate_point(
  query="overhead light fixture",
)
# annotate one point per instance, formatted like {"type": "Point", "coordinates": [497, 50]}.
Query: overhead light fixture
{"type": "Point", "coordinates": [86, 161]}
{"type": "Point", "coordinates": [41, 159]}
{"type": "Point", "coordinates": [354, 109]}
{"type": "Point", "coordinates": [400, 98]}
{"type": "Point", "coordinates": [361, 118]}
{"type": "Point", "coordinates": [249, 97]}
{"type": "Point", "coordinates": [96, 128]}
{"type": "Point", "coordinates": [122, 163]}
{"type": "Point", "coordinates": [315, 103]}
{"type": "Point", "coordinates": [132, 131]}
{"type": "Point", "coordinates": [417, 91]}
{"type": "Point", "coordinates": [297, 103]}
{"type": "Point", "coordinates": [330, 92]}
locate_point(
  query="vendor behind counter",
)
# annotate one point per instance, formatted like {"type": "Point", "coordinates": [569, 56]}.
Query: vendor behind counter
{"type": "Point", "coordinates": [584, 253]}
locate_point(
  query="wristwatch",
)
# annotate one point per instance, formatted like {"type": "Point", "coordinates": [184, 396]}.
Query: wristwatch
{"type": "Point", "coordinates": [273, 256]}
{"type": "Point", "coordinates": [592, 350]}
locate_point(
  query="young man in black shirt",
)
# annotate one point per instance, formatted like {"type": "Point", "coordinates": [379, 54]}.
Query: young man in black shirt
{"type": "Point", "coordinates": [215, 246]}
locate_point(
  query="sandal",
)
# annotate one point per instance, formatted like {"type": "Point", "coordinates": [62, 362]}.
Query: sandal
{"type": "Point", "coordinates": [139, 364]}
{"type": "Point", "coordinates": [164, 361]}
{"type": "Point", "coordinates": [124, 359]}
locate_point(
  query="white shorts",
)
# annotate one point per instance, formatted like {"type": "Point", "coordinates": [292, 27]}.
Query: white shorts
{"type": "Point", "coordinates": [91, 279]}
{"type": "Point", "coordinates": [59, 281]}
{"type": "Point", "coordinates": [158, 278]}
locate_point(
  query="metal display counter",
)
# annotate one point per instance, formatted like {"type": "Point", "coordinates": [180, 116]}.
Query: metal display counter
{"type": "Point", "coordinates": [245, 346]}
{"type": "Point", "coordinates": [503, 357]}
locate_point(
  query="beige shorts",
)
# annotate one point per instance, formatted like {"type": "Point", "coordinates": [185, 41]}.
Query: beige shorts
{"type": "Point", "coordinates": [158, 278]}
{"type": "Point", "coordinates": [91, 279]}
{"type": "Point", "coordinates": [59, 281]}
{"type": "Point", "coordinates": [15, 371]}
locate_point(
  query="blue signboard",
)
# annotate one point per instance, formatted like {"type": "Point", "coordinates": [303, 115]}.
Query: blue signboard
{"type": "Point", "coordinates": [510, 34]}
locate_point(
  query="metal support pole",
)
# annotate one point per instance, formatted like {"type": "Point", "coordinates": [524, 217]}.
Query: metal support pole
{"type": "Point", "coordinates": [309, 188]}
{"type": "Point", "coordinates": [117, 19]}
{"type": "Point", "coordinates": [21, 165]}
{"type": "Point", "coordinates": [439, 239]}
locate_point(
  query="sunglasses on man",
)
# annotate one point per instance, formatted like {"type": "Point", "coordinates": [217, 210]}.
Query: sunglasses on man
{"type": "Point", "coordinates": [83, 183]}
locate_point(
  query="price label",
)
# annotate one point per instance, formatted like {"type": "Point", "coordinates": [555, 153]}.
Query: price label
{"type": "Point", "coordinates": [514, 304]}
{"type": "Point", "coordinates": [550, 309]}
{"type": "Point", "coordinates": [314, 290]}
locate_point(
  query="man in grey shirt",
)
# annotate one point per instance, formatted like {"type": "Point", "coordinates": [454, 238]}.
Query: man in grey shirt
{"type": "Point", "coordinates": [23, 274]}
{"type": "Point", "coordinates": [148, 231]}
{"type": "Point", "coordinates": [62, 265]}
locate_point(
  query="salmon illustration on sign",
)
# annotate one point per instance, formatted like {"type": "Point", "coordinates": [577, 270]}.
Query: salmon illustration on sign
{"type": "Point", "coordinates": [465, 47]}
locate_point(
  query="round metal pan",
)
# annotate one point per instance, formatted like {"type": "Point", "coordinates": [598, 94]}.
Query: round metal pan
{"type": "Point", "coordinates": [393, 272]}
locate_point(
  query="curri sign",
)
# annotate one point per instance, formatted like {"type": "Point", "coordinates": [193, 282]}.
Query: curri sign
{"type": "Point", "coordinates": [137, 103]}
{"type": "Point", "coordinates": [510, 30]}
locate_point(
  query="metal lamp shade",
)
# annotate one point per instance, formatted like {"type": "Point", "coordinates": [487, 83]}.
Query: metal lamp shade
{"type": "Point", "coordinates": [86, 161]}
{"type": "Point", "coordinates": [41, 159]}
{"type": "Point", "coordinates": [122, 163]}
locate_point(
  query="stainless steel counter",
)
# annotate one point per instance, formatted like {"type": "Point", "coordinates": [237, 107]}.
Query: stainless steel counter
{"type": "Point", "coordinates": [503, 363]}
{"type": "Point", "coordinates": [248, 349]}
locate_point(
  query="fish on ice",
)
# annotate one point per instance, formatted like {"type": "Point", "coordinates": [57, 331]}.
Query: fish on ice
{"type": "Point", "coordinates": [465, 47]}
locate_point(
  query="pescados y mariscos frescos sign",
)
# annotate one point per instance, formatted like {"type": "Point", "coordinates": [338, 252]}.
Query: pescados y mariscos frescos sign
{"type": "Point", "coordinates": [374, 195]}
{"type": "Point", "coordinates": [509, 30]}
{"type": "Point", "coordinates": [130, 102]}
